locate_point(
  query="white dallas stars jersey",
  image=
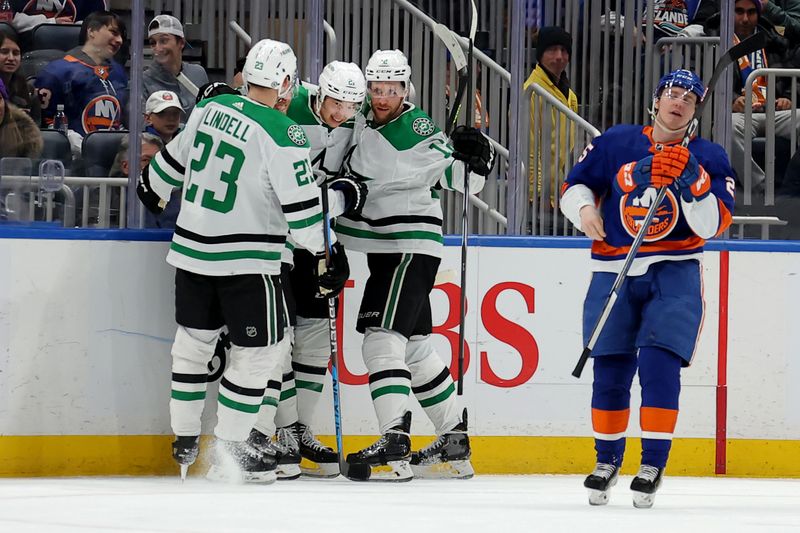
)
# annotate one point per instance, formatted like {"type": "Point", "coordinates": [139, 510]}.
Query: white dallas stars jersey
{"type": "Point", "coordinates": [328, 146]}
{"type": "Point", "coordinates": [402, 161]}
{"type": "Point", "coordinates": [247, 182]}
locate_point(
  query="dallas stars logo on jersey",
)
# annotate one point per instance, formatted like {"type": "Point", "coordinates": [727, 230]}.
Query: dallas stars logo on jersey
{"type": "Point", "coordinates": [423, 126]}
{"type": "Point", "coordinates": [297, 135]}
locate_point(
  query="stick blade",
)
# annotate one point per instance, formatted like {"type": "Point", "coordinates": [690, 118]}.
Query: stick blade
{"type": "Point", "coordinates": [451, 43]}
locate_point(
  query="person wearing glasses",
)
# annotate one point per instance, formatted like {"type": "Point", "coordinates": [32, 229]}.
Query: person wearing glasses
{"type": "Point", "coordinates": [167, 41]}
{"type": "Point", "coordinates": [653, 327]}
{"type": "Point", "coordinates": [404, 158]}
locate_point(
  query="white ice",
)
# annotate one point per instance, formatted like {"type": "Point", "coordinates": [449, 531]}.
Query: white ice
{"type": "Point", "coordinates": [484, 504]}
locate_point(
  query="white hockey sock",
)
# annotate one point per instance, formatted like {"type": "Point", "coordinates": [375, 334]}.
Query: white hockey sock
{"type": "Point", "coordinates": [389, 379]}
{"type": "Point", "coordinates": [241, 389]}
{"type": "Point", "coordinates": [191, 352]}
{"type": "Point", "coordinates": [432, 384]}
{"type": "Point", "coordinates": [286, 413]}
{"type": "Point", "coordinates": [310, 357]}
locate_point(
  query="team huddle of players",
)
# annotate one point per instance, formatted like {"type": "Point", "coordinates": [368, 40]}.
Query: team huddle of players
{"type": "Point", "coordinates": [250, 257]}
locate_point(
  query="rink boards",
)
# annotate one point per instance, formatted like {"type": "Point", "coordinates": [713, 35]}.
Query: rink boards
{"type": "Point", "coordinates": [86, 324]}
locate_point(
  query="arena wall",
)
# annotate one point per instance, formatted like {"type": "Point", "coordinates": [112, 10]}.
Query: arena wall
{"type": "Point", "coordinates": [86, 324]}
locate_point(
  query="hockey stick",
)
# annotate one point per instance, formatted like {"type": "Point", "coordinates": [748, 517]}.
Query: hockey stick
{"type": "Point", "coordinates": [464, 78]}
{"type": "Point", "coordinates": [187, 83]}
{"type": "Point", "coordinates": [748, 46]}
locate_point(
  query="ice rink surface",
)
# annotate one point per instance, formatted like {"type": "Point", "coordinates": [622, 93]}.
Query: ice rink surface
{"type": "Point", "coordinates": [484, 504]}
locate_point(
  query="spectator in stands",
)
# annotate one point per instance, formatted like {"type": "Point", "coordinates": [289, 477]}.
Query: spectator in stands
{"type": "Point", "coordinates": [553, 52]}
{"type": "Point", "coordinates": [30, 14]}
{"type": "Point", "coordinates": [674, 18]}
{"type": "Point", "coordinates": [162, 115]}
{"type": "Point", "coordinates": [92, 87]}
{"type": "Point", "coordinates": [167, 40]}
{"type": "Point", "coordinates": [21, 92]}
{"type": "Point", "coordinates": [747, 21]}
{"type": "Point", "coordinates": [19, 136]}
{"type": "Point", "coordinates": [786, 14]}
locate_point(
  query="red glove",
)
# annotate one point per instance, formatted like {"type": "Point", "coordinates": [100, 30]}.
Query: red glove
{"type": "Point", "coordinates": [670, 162]}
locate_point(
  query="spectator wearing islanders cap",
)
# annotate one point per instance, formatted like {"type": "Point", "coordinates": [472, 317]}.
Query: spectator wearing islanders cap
{"type": "Point", "coordinates": [167, 41]}
{"type": "Point", "coordinates": [162, 115]}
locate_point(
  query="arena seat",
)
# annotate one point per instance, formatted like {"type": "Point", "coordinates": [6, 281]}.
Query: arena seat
{"type": "Point", "coordinates": [56, 146]}
{"type": "Point", "coordinates": [99, 150]}
{"type": "Point", "coordinates": [33, 62]}
{"type": "Point", "coordinates": [8, 28]}
{"type": "Point", "coordinates": [56, 36]}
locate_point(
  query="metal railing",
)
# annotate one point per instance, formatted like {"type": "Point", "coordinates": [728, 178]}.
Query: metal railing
{"type": "Point", "coordinates": [770, 121]}
{"type": "Point", "coordinates": [550, 153]}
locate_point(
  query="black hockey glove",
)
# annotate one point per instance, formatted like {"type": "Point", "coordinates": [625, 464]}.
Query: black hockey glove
{"type": "Point", "coordinates": [215, 88]}
{"type": "Point", "coordinates": [149, 199]}
{"type": "Point", "coordinates": [474, 148]}
{"type": "Point", "coordinates": [331, 279]}
{"type": "Point", "coordinates": [355, 193]}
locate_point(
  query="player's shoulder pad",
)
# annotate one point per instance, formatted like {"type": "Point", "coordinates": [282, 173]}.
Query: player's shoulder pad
{"type": "Point", "coordinates": [412, 127]}
{"type": "Point", "coordinates": [300, 106]}
{"type": "Point", "coordinates": [282, 129]}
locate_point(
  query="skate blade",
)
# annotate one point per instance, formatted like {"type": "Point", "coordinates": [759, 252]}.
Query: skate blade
{"type": "Point", "coordinates": [445, 470]}
{"type": "Point", "coordinates": [184, 472]}
{"type": "Point", "coordinates": [227, 475]}
{"type": "Point", "coordinates": [288, 472]}
{"type": "Point", "coordinates": [392, 472]}
{"type": "Point", "coordinates": [642, 500]}
{"type": "Point", "coordinates": [598, 497]}
{"type": "Point", "coordinates": [319, 470]}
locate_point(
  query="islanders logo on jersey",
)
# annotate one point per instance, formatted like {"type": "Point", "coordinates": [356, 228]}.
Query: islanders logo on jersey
{"type": "Point", "coordinates": [101, 113]}
{"type": "Point", "coordinates": [633, 209]}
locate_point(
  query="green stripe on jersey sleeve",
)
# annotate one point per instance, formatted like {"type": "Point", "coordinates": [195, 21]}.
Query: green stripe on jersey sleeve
{"type": "Point", "coordinates": [161, 173]}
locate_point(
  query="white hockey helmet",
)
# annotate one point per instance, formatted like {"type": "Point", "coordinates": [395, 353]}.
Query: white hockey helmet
{"type": "Point", "coordinates": [388, 65]}
{"type": "Point", "coordinates": [268, 64]}
{"type": "Point", "coordinates": [343, 81]}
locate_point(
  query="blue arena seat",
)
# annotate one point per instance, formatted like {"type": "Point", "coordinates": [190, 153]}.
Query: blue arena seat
{"type": "Point", "coordinates": [56, 146]}
{"type": "Point", "coordinates": [33, 62]}
{"type": "Point", "coordinates": [98, 151]}
{"type": "Point", "coordinates": [56, 36]}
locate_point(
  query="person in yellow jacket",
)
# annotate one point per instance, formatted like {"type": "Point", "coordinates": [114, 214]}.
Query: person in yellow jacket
{"type": "Point", "coordinates": [553, 52]}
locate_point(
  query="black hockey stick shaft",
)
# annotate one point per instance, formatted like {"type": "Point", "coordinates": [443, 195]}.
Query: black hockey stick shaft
{"type": "Point", "coordinates": [332, 337]}
{"type": "Point", "coordinates": [746, 47]}
{"type": "Point", "coordinates": [462, 304]}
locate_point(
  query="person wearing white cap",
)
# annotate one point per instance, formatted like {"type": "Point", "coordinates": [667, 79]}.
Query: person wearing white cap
{"type": "Point", "coordinates": [168, 41]}
{"type": "Point", "coordinates": [162, 115]}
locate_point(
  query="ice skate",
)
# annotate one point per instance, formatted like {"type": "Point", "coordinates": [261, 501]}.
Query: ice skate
{"type": "Point", "coordinates": [447, 457]}
{"type": "Point", "coordinates": [600, 481]}
{"type": "Point", "coordinates": [645, 485]}
{"type": "Point", "coordinates": [237, 462]}
{"type": "Point", "coordinates": [286, 456]}
{"type": "Point", "coordinates": [319, 460]}
{"type": "Point", "coordinates": [386, 459]}
{"type": "Point", "coordinates": [184, 451]}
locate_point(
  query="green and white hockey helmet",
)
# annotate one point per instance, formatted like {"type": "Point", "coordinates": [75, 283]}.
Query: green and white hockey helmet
{"type": "Point", "coordinates": [388, 65]}
{"type": "Point", "coordinates": [268, 64]}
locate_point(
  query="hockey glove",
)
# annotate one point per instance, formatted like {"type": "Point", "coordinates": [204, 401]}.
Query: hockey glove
{"type": "Point", "coordinates": [331, 279]}
{"type": "Point", "coordinates": [671, 161]}
{"type": "Point", "coordinates": [149, 199]}
{"type": "Point", "coordinates": [474, 148]}
{"type": "Point", "coordinates": [639, 175]}
{"type": "Point", "coordinates": [215, 88]}
{"type": "Point", "coordinates": [355, 193]}
{"type": "Point", "coordinates": [693, 182]}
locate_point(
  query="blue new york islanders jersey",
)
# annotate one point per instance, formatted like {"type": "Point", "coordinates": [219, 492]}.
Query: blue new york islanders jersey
{"type": "Point", "coordinates": [670, 235]}
{"type": "Point", "coordinates": [93, 95]}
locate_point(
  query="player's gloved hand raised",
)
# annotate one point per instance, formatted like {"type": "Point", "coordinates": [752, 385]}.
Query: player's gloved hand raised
{"type": "Point", "coordinates": [474, 148]}
{"type": "Point", "coordinates": [331, 278]}
{"type": "Point", "coordinates": [212, 89]}
{"type": "Point", "coordinates": [149, 199]}
{"type": "Point", "coordinates": [640, 175]}
{"type": "Point", "coordinates": [354, 191]}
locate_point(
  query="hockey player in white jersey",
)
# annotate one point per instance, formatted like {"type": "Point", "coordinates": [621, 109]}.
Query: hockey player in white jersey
{"type": "Point", "coordinates": [403, 156]}
{"type": "Point", "coordinates": [246, 175]}
{"type": "Point", "coordinates": [326, 114]}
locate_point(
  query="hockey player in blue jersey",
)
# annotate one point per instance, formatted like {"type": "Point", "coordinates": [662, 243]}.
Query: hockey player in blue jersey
{"type": "Point", "coordinates": [92, 87]}
{"type": "Point", "coordinates": [655, 322]}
